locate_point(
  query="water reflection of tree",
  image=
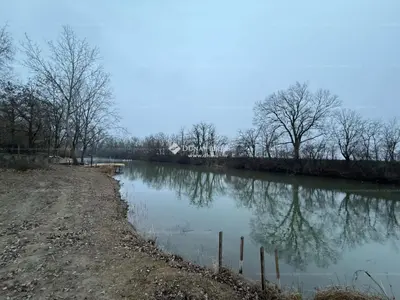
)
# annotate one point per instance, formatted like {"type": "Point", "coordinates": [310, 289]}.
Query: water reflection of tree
{"type": "Point", "coordinates": [256, 194]}
{"type": "Point", "coordinates": [392, 219]}
{"type": "Point", "coordinates": [306, 224]}
{"type": "Point", "coordinates": [199, 187]}
{"type": "Point", "coordinates": [205, 186]}
{"type": "Point", "coordinates": [299, 236]}
{"type": "Point", "coordinates": [367, 219]}
{"type": "Point", "coordinates": [314, 225]}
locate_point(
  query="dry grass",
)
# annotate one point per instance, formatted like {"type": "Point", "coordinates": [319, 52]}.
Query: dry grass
{"type": "Point", "coordinates": [341, 293]}
{"type": "Point", "coordinates": [107, 169]}
{"type": "Point", "coordinates": [24, 162]}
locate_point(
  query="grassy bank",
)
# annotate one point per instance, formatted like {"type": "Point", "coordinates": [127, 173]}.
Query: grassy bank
{"type": "Point", "coordinates": [368, 171]}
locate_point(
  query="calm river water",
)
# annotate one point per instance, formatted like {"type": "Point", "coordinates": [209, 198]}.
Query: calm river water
{"type": "Point", "coordinates": [325, 230]}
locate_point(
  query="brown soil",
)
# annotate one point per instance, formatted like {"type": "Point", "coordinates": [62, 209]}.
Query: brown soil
{"type": "Point", "coordinates": [64, 235]}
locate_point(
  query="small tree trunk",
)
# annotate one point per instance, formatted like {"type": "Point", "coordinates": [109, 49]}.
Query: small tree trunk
{"type": "Point", "coordinates": [83, 154]}
{"type": "Point", "coordinates": [74, 159]}
{"type": "Point", "coordinates": [296, 149]}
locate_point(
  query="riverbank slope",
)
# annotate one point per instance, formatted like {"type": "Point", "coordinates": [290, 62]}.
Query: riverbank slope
{"type": "Point", "coordinates": [64, 235]}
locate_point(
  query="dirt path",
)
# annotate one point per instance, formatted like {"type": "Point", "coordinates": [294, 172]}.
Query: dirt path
{"type": "Point", "coordinates": [63, 236]}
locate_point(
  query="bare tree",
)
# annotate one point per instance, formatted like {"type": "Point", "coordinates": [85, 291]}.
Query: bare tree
{"type": "Point", "coordinates": [221, 143]}
{"type": "Point", "coordinates": [24, 116]}
{"type": "Point", "coordinates": [269, 138]}
{"type": "Point", "coordinates": [211, 140]}
{"type": "Point", "coordinates": [55, 114]}
{"type": "Point", "coordinates": [316, 149]}
{"type": "Point", "coordinates": [235, 149]}
{"type": "Point", "coordinates": [182, 136]}
{"type": "Point", "coordinates": [155, 144]}
{"type": "Point", "coordinates": [283, 151]}
{"type": "Point", "coordinates": [300, 113]}
{"type": "Point", "coordinates": [371, 140]}
{"type": "Point", "coordinates": [198, 136]}
{"type": "Point", "coordinates": [195, 135]}
{"type": "Point", "coordinates": [94, 109]}
{"type": "Point", "coordinates": [8, 112]}
{"type": "Point", "coordinates": [215, 142]}
{"type": "Point", "coordinates": [68, 67]}
{"type": "Point", "coordinates": [30, 108]}
{"type": "Point", "coordinates": [391, 139]}
{"type": "Point", "coordinates": [331, 149]}
{"type": "Point", "coordinates": [6, 48]}
{"type": "Point", "coordinates": [248, 140]}
{"type": "Point", "coordinates": [162, 141]}
{"type": "Point", "coordinates": [347, 131]}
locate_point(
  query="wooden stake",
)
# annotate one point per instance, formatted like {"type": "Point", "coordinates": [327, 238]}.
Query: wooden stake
{"type": "Point", "coordinates": [262, 268]}
{"type": "Point", "coordinates": [278, 276]}
{"type": "Point", "coordinates": [241, 255]}
{"type": "Point", "coordinates": [220, 251]}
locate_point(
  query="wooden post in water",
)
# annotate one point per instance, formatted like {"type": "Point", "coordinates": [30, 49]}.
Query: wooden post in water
{"type": "Point", "coordinates": [91, 160]}
{"type": "Point", "coordinates": [278, 276]}
{"type": "Point", "coordinates": [241, 255]}
{"type": "Point", "coordinates": [220, 251]}
{"type": "Point", "coordinates": [262, 268]}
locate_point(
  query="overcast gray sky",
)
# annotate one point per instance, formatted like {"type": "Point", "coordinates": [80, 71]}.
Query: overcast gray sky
{"type": "Point", "coordinates": [176, 62]}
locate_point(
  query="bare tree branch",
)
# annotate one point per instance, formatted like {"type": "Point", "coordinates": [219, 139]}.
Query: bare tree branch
{"type": "Point", "coordinates": [347, 131]}
{"type": "Point", "coordinates": [7, 50]}
{"type": "Point", "coordinates": [299, 113]}
{"type": "Point", "coordinates": [69, 67]}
